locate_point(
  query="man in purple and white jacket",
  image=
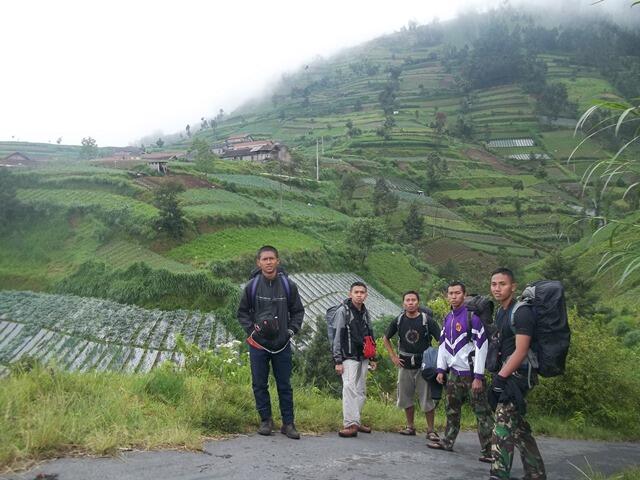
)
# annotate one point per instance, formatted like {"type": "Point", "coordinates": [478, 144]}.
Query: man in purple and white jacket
{"type": "Point", "coordinates": [461, 355]}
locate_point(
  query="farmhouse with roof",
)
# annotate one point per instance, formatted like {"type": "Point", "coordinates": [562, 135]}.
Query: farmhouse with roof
{"type": "Point", "coordinates": [244, 147]}
{"type": "Point", "coordinates": [17, 159]}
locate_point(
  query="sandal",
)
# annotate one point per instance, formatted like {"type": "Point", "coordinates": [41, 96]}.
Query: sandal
{"type": "Point", "coordinates": [438, 446]}
{"type": "Point", "coordinates": [408, 431]}
{"type": "Point", "coordinates": [433, 436]}
{"type": "Point", "coordinates": [484, 458]}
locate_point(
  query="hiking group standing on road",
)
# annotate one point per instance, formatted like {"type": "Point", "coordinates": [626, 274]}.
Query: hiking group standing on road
{"type": "Point", "coordinates": [523, 338]}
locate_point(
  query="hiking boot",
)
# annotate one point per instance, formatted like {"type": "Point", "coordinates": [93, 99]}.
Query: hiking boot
{"type": "Point", "coordinates": [290, 431]}
{"type": "Point", "coordinates": [266, 426]}
{"type": "Point", "coordinates": [350, 431]}
{"type": "Point", "coordinates": [364, 429]}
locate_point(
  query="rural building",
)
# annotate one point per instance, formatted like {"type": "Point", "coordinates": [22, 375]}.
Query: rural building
{"type": "Point", "coordinates": [159, 166]}
{"type": "Point", "coordinates": [127, 153]}
{"type": "Point", "coordinates": [164, 156]}
{"type": "Point", "coordinates": [257, 151]}
{"type": "Point", "coordinates": [17, 159]}
{"type": "Point", "coordinates": [244, 147]}
{"type": "Point", "coordinates": [242, 138]}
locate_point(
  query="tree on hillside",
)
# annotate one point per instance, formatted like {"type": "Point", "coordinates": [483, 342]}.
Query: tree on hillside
{"type": "Point", "coordinates": [578, 287]}
{"type": "Point", "coordinates": [89, 148]}
{"type": "Point", "coordinates": [188, 130]}
{"type": "Point", "coordinates": [160, 143]}
{"type": "Point", "coordinates": [414, 223]}
{"type": "Point", "coordinates": [439, 122]}
{"type": "Point", "coordinates": [348, 186]}
{"type": "Point", "coordinates": [384, 200]}
{"type": "Point", "coordinates": [59, 140]}
{"type": "Point", "coordinates": [518, 186]}
{"type": "Point", "coordinates": [352, 131]}
{"type": "Point", "coordinates": [171, 217]}
{"type": "Point", "coordinates": [553, 100]}
{"type": "Point", "coordinates": [362, 235]}
{"type": "Point", "coordinates": [204, 124]}
{"type": "Point", "coordinates": [517, 205]}
{"type": "Point", "coordinates": [437, 168]}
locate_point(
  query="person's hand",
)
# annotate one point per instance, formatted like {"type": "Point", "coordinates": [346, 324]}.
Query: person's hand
{"type": "Point", "coordinates": [498, 384]}
{"type": "Point", "coordinates": [497, 388]}
{"type": "Point", "coordinates": [373, 365]}
{"type": "Point", "coordinates": [440, 378]}
{"type": "Point", "coordinates": [397, 361]}
{"type": "Point", "coordinates": [477, 386]}
{"type": "Point", "coordinates": [339, 369]}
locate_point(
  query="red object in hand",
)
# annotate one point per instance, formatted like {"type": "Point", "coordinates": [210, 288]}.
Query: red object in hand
{"type": "Point", "coordinates": [369, 350]}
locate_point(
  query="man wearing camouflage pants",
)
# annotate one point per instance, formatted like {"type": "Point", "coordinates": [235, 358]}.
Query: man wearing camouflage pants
{"type": "Point", "coordinates": [512, 383]}
{"type": "Point", "coordinates": [463, 335]}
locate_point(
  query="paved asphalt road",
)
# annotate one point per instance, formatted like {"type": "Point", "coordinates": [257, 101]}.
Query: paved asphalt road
{"type": "Point", "coordinates": [376, 456]}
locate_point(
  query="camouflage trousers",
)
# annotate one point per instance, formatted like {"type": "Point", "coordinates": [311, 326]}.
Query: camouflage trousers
{"type": "Point", "coordinates": [459, 390]}
{"type": "Point", "coordinates": [512, 430]}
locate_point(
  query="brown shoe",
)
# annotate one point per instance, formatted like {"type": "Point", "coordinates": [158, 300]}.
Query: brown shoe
{"type": "Point", "coordinates": [364, 429]}
{"type": "Point", "coordinates": [350, 431]}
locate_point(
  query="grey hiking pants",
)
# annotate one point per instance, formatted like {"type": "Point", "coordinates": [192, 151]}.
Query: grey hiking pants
{"type": "Point", "coordinates": [354, 390]}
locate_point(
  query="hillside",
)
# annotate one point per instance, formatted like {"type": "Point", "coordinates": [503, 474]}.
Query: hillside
{"type": "Point", "coordinates": [449, 143]}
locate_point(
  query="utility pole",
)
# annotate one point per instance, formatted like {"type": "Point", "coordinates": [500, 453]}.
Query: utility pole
{"type": "Point", "coordinates": [317, 162]}
{"type": "Point", "coordinates": [322, 141]}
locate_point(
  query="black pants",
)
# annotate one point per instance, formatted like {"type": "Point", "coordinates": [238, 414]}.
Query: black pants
{"type": "Point", "coordinates": [282, 366]}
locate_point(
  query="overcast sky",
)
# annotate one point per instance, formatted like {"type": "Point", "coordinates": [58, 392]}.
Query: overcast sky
{"type": "Point", "coordinates": [118, 70]}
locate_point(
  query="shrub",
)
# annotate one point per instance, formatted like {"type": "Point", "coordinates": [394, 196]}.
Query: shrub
{"type": "Point", "coordinates": [632, 338]}
{"type": "Point", "coordinates": [600, 382]}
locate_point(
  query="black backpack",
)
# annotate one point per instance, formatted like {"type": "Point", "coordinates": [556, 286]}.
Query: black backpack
{"type": "Point", "coordinates": [330, 317]}
{"type": "Point", "coordinates": [552, 335]}
{"type": "Point", "coordinates": [483, 307]}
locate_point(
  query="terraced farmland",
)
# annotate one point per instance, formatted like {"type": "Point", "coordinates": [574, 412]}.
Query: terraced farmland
{"type": "Point", "coordinates": [79, 333]}
{"type": "Point", "coordinates": [67, 198]}
{"type": "Point", "coordinates": [254, 181]}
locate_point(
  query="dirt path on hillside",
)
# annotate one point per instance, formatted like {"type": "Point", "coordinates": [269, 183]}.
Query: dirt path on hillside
{"type": "Point", "coordinates": [376, 456]}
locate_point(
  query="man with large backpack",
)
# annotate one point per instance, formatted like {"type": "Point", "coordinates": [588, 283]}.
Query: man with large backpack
{"type": "Point", "coordinates": [516, 376]}
{"type": "Point", "coordinates": [415, 329]}
{"type": "Point", "coordinates": [463, 334]}
{"type": "Point", "coordinates": [353, 354]}
{"type": "Point", "coordinates": [271, 312]}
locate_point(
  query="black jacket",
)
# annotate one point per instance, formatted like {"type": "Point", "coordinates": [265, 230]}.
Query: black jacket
{"type": "Point", "coordinates": [348, 343]}
{"type": "Point", "coordinates": [271, 303]}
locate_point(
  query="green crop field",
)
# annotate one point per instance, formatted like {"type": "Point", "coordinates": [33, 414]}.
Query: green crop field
{"type": "Point", "coordinates": [299, 210]}
{"type": "Point", "coordinates": [121, 254]}
{"type": "Point", "coordinates": [78, 199]}
{"type": "Point", "coordinates": [486, 193]}
{"type": "Point", "coordinates": [201, 202]}
{"type": "Point", "coordinates": [38, 252]}
{"type": "Point", "coordinates": [394, 271]}
{"type": "Point", "coordinates": [233, 242]}
{"type": "Point", "coordinates": [254, 181]}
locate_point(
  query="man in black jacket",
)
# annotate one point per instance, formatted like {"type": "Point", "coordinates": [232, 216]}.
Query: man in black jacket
{"type": "Point", "coordinates": [271, 312]}
{"type": "Point", "coordinates": [352, 326]}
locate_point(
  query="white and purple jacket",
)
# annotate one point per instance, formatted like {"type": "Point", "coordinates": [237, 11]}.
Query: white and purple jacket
{"type": "Point", "coordinates": [454, 349]}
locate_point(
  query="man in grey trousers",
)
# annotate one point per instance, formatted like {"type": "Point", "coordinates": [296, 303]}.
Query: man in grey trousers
{"type": "Point", "coordinates": [352, 325]}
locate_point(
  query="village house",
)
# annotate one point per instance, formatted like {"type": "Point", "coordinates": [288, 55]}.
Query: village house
{"type": "Point", "coordinates": [17, 159]}
{"type": "Point", "coordinates": [243, 147]}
